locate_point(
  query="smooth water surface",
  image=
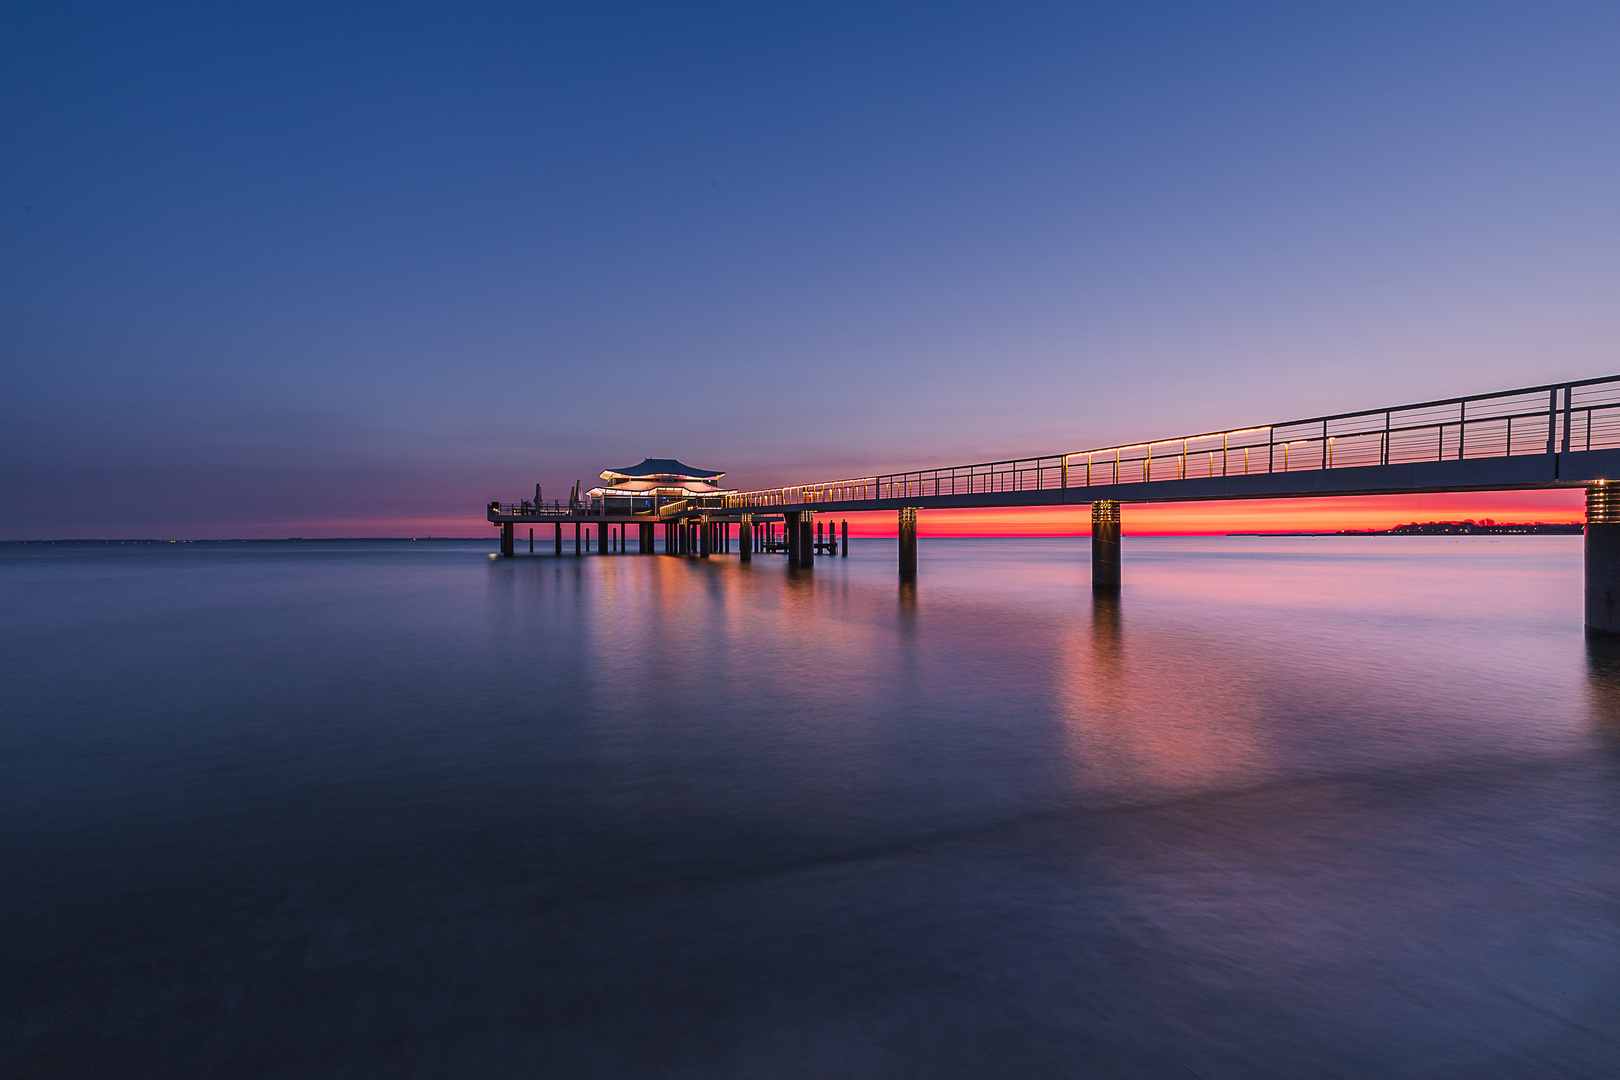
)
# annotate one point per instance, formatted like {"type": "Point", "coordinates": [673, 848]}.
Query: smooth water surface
{"type": "Point", "coordinates": [1286, 807]}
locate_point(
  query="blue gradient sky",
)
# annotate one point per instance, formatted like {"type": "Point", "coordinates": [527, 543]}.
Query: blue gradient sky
{"type": "Point", "coordinates": [303, 270]}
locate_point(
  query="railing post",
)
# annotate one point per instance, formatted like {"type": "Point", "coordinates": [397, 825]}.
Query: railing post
{"type": "Point", "coordinates": [1569, 397]}
{"type": "Point", "coordinates": [1383, 454]}
{"type": "Point", "coordinates": [1552, 421]}
{"type": "Point", "coordinates": [1462, 427]}
{"type": "Point", "coordinates": [1324, 445]}
{"type": "Point", "coordinates": [1271, 450]}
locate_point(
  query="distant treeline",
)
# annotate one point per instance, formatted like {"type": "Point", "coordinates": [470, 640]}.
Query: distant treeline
{"type": "Point", "coordinates": [1475, 528]}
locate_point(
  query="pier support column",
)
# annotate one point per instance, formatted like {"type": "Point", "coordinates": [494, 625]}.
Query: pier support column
{"type": "Point", "coordinates": [807, 540]}
{"type": "Point", "coordinates": [506, 539]}
{"type": "Point", "coordinates": [531, 541]}
{"type": "Point", "coordinates": [705, 538]}
{"type": "Point", "coordinates": [559, 538]}
{"type": "Point", "coordinates": [908, 543]}
{"type": "Point", "coordinates": [843, 547]}
{"type": "Point", "coordinates": [790, 531]}
{"type": "Point", "coordinates": [1603, 558]}
{"type": "Point", "coordinates": [1105, 544]}
{"type": "Point", "coordinates": [745, 538]}
{"type": "Point", "coordinates": [576, 538]}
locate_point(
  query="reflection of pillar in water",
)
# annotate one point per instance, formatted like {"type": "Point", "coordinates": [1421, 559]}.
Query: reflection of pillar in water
{"type": "Point", "coordinates": [1105, 544]}
{"type": "Point", "coordinates": [1603, 683]}
{"type": "Point", "coordinates": [1105, 628]}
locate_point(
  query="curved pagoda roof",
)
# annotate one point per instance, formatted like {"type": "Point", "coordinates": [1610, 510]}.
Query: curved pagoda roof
{"type": "Point", "coordinates": [660, 469]}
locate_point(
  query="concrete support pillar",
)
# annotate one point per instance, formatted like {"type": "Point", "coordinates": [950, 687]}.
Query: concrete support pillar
{"type": "Point", "coordinates": [791, 526]}
{"type": "Point", "coordinates": [1603, 558]}
{"type": "Point", "coordinates": [705, 539]}
{"type": "Point", "coordinates": [559, 538]}
{"type": "Point", "coordinates": [843, 545]}
{"type": "Point", "coordinates": [506, 539]}
{"type": "Point", "coordinates": [576, 538]}
{"type": "Point", "coordinates": [1105, 544]}
{"type": "Point", "coordinates": [745, 538]}
{"type": "Point", "coordinates": [807, 540]}
{"type": "Point", "coordinates": [531, 541]}
{"type": "Point", "coordinates": [908, 543]}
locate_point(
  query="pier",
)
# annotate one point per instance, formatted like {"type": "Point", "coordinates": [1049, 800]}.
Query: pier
{"type": "Point", "coordinates": [1550, 436]}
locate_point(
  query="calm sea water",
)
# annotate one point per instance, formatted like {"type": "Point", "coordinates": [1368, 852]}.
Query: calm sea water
{"type": "Point", "coordinates": [1288, 807]}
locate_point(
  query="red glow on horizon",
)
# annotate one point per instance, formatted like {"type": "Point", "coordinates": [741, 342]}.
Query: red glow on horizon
{"type": "Point", "coordinates": [1242, 516]}
{"type": "Point", "coordinates": [1139, 519]}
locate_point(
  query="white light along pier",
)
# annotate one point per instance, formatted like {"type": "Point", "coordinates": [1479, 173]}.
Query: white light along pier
{"type": "Point", "coordinates": [1551, 436]}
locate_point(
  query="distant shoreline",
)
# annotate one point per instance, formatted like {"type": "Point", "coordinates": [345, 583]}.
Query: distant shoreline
{"type": "Point", "coordinates": [268, 540]}
{"type": "Point", "coordinates": [1451, 528]}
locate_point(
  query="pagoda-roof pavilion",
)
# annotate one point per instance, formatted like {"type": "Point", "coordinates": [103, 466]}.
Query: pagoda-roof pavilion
{"type": "Point", "coordinates": [655, 481]}
{"type": "Point", "coordinates": [661, 469]}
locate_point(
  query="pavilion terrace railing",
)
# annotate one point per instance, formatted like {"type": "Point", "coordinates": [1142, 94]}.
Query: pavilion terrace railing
{"type": "Point", "coordinates": [529, 508]}
{"type": "Point", "coordinates": [1565, 417]}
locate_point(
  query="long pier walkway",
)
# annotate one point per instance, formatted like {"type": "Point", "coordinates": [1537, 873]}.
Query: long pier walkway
{"type": "Point", "coordinates": [1555, 435]}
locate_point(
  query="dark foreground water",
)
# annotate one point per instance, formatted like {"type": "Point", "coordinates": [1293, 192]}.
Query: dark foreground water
{"type": "Point", "coordinates": [1289, 807]}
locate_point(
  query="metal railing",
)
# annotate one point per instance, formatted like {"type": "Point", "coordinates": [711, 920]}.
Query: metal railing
{"type": "Point", "coordinates": [611, 506]}
{"type": "Point", "coordinates": [1574, 416]}
{"type": "Point", "coordinates": [528, 508]}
